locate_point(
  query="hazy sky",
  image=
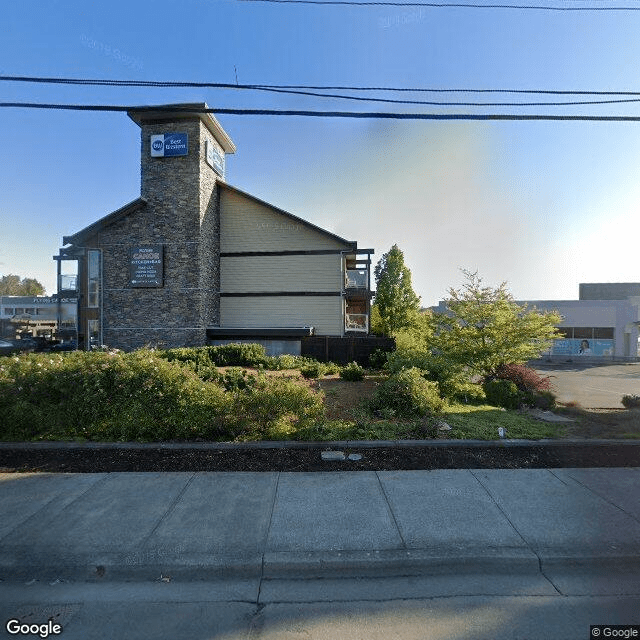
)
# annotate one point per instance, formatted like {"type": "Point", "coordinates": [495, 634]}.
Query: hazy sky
{"type": "Point", "coordinates": [543, 205]}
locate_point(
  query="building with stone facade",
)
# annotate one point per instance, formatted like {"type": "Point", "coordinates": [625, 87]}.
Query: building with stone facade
{"type": "Point", "coordinates": [195, 261]}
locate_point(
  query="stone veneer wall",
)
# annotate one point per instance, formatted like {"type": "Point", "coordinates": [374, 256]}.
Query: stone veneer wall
{"type": "Point", "coordinates": [182, 214]}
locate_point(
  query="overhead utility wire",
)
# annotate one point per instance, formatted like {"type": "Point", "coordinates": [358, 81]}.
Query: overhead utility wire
{"type": "Point", "coordinates": [451, 104]}
{"type": "Point", "coordinates": [464, 5]}
{"type": "Point", "coordinates": [291, 91]}
{"type": "Point", "coordinates": [226, 85]}
{"type": "Point", "coordinates": [323, 114]}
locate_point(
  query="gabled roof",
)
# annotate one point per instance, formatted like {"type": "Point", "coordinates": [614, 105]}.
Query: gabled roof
{"type": "Point", "coordinates": [350, 244]}
{"type": "Point", "coordinates": [138, 203]}
{"type": "Point", "coordinates": [98, 225]}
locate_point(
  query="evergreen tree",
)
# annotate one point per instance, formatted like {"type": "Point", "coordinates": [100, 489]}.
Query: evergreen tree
{"type": "Point", "coordinates": [396, 303]}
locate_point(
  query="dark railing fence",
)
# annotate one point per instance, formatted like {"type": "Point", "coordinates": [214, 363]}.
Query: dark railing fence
{"type": "Point", "coordinates": [346, 349]}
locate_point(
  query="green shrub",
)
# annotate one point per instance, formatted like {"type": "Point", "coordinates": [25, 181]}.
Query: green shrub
{"type": "Point", "coordinates": [106, 396]}
{"type": "Point", "coordinates": [378, 359]}
{"type": "Point", "coordinates": [544, 400]}
{"type": "Point", "coordinates": [237, 379]}
{"type": "Point", "coordinates": [276, 407]}
{"type": "Point", "coordinates": [533, 390]}
{"type": "Point", "coordinates": [141, 396]}
{"type": "Point", "coordinates": [353, 372]}
{"type": "Point", "coordinates": [453, 382]}
{"type": "Point", "coordinates": [330, 368]}
{"type": "Point", "coordinates": [195, 358]}
{"type": "Point", "coordinates": [466, 392]}
{"type": "Point", "coordinates": [502, 393]}
{"type": "Point", "coordinates": [407, 394]}
{"type": "Point", "coordinates": [237, 355]}
{"type": "Point", "coordinates": [312, 370]}
{"type": "Point", "coordinates": [631, 401]}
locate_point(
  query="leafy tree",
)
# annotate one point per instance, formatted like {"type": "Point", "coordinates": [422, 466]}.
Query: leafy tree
{"type": "Point", "coordinates": [12, 285]}
{"type": "Point", "coordinates": [485, 329]}
{"type": "Point", "coordinates": [395, 301]}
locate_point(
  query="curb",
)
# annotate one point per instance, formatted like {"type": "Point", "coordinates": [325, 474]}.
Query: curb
{"type": "Point", "coordinates": [324, 445]}
{"type": "Point", "coordinates": [396, 563]}
{"type": "Point", "coordinates": [286, 456]}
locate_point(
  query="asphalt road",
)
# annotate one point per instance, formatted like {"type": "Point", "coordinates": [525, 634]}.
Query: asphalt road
{"type": "Point", "coordinates": [598, 387]}
{"type": "Point", "coordinates": [461, 607]}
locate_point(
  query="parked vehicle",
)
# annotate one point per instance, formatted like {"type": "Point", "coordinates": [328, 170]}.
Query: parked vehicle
{"type": "Point", "coordinates": [7, 347]}
{"type": "Point", "coordinates": [72, 345]}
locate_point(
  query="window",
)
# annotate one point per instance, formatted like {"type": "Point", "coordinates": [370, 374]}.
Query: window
{"type": "Point", "coordinates": [93, 278]}
{"type": "Point", "coordinates": [93, 331]}
{"type": "Point", "coordinates": [9, 311]}
{"type": "Point", "coordinates": [603, 333]}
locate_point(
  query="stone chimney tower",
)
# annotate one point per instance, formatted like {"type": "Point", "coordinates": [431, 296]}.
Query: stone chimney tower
{"type": "Point", "coordinates": [182, 159]}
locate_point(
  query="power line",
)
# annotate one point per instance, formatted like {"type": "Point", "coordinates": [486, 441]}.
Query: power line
{"type": "Point", "coordinates": [322, 114]}
{"type": "Point", "coordinates": [227, 85]}
{"type": "Point", "coordinates": [309, 90]}
{"type": "Point", "coordinates": [464, 5]}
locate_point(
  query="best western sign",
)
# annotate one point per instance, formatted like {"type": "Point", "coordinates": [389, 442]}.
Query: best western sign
{"type": "Point", "coordinates": [169, 144]}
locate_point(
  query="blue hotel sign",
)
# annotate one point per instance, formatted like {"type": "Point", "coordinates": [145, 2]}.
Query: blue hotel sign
{"type": "Point", "coordinates": [215, 159]}
{"type": "Point", "coordinates": [169, 144]}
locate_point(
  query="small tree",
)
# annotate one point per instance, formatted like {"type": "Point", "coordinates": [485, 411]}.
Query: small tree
{"type": "Point", "coordinates": [395, 301]}
{"type": "Point", "coordinates": [485, 329]}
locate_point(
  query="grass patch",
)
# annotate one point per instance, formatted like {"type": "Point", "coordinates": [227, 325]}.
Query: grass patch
{"type": "Point", "coordinates": [482, 423]}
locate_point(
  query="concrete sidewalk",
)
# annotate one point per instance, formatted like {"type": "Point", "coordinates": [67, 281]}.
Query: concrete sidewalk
{"type": "Point", "coordinates": [207, 525]}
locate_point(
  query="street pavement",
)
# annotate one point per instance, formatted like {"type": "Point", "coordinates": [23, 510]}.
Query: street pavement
{"type": "Point", "coordinates": [593, 386]}
{"type": "Point", "coordinates": [530, 553]}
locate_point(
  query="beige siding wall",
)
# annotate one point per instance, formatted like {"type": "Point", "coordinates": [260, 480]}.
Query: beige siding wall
{"type": "Point", "coordinates": [323, 313]}
{"type": "Point", "coordinates": [247, 225]}
{"type": "Point", "coordinates": [281, 273]}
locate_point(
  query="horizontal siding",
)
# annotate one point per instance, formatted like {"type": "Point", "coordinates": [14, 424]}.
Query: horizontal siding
{"type": "Point", "coordinates": [325, 314]}
{"type": "Point", "coordinates": [246, 225]}
{"type": "Point", "coordinates": [280, 273]}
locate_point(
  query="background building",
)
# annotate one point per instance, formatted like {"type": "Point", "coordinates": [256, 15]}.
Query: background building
{"type": "Point", "coordinates": [46, 316]}
{"type": "Point", "coordinates": [602, 324]}
{"type": "Point", "coordinates": [195, 261]}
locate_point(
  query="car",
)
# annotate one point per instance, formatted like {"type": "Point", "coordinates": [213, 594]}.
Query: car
{"type": "Point", "coordinates": [72, 345]}
{"type": "Point", "coordinates": [7, 347]}
{"type": "Point", "coordinates": [24, 345]}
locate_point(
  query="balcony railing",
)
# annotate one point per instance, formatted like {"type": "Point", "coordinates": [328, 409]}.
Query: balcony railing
{"type": "Point", "coordinates": [356, 322]}
{"type": "Point", "coordinates": [356, 279]}
{"type": "Point", "coordinates": [68, 283]}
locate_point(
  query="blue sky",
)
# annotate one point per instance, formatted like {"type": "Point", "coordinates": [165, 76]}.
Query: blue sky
{"type": "Point", "coordinates": [541, 205]}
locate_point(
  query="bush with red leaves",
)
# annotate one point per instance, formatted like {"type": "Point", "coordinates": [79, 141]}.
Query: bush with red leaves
{"type": "Point", "coordinates": [525, 378]}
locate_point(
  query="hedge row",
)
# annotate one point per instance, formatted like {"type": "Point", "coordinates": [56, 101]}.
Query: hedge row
{"type": "Point", "coordinates": [142, 396]}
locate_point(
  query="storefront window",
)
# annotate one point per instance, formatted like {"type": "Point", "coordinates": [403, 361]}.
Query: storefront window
{"type": "Point", "coordinates": [93, 279]}
{"type": "Point", "coordinates": [584, 341]}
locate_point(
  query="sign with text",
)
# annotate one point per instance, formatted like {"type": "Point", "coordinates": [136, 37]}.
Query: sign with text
{"type": "Point", "coordinates": [215, 159]}
{"type": "Point", "coordinates": [165, 145]}
{"type": "Point", "coordinates": [146, 266]}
